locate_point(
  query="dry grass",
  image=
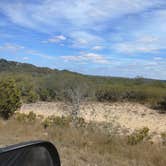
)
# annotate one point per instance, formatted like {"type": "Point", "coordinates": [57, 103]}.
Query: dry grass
{"type": "Point", "coordinates": [84, 146]}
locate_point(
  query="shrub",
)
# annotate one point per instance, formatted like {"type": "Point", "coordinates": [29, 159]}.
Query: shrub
{"type": "Point", "coordinates": [10, 99]}
{"type": "Point", "coordinates": [138, 136]}
{"type": "Point", "coordinates": [133, 95]}
{"type": "Point", "coordinates": [44, 94]}
{"type": "Point", "coordinates": [161, 105]}
{"type": "Point", "coordinates": [163, 136]}
{"type": "Point", "coordinates": [80, 122]}
{"type": "Point", "coordinates": [32, 97]}
{"type": "Point", "coordinates": [21, 117]}
{"type": "Point", "coordinates": [107, 95]}
{"type": "Point", "coordinates": [56, 121]}
{"type": "Point", "coordinates": [31, 117]}
{"type": "Point", "coordinates": [25, 118]}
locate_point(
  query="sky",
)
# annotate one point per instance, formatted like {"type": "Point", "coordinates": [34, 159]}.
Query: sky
{"type": "Point", "coordinates": [125, 38]}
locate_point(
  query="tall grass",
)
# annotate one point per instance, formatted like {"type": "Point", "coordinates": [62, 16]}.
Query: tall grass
{"type": "Point", "coordinates": [83, 145]}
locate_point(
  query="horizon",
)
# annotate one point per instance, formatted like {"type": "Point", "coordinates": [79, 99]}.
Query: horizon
{"type": "Point", "coordinates": [93, 75]}
{"type": "Point", "coordinates": [116, 38]}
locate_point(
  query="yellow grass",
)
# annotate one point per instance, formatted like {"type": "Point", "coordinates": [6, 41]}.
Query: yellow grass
{"type": "Point", "coordinates": [84, 146]}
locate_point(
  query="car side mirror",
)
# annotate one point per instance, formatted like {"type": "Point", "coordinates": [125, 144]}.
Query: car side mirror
{"type": "Point", "coordinates": [35, 153]}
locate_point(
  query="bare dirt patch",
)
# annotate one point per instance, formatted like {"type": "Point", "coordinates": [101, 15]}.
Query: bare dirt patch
{"type": "Point", "coordinates": [128, 116]}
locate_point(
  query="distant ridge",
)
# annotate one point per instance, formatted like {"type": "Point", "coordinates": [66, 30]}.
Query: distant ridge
{"type": "Point", "coordinates": [14, 67]}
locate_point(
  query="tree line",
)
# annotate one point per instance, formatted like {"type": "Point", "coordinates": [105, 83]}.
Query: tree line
{"type": "Point", "coordinates": [24, 83]}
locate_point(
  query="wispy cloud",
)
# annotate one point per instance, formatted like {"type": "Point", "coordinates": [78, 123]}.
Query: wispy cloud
{"type": "Point", "coordinates": [86, 57]}
{"type": "Point", "coordinates": [146, 44]}
{"type": "Point", "coordinates": [39, 54]}
{"type": "Point", "coordinates": [97, 48]}
{"type": "Point", "coordinates": [25, 58]}
{"type": "Point", "coordinates": [75, 19]}
{"type": "Point", "coordinates": [84, 39]}
{"type": "Point", "coordinates": [14, 49]}
{"type": "Point", "coordinates": [77, 13]}
{"type": "Point", "coordinates": [11, 47]}
{"type": "Point", "coordinates": [129, 68]}
{"type": "Point", "coordinates": [55, 39]}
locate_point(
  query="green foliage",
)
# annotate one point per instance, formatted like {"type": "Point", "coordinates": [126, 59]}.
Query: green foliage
{"type": "Point", "coordinates": [44, 94]}
{"type": "Point", "coordinates": [138, 136]}
{"type": "Point", "coordinates": [32, 97]}
{"type": "Point", "coordinates": [161, 105]}
{"type": "Point", "coordinates": [135, 95]}
{"type": "Point", "coordinates": [107, 95]}
{"type": "Point", "coordinates": [56, 121]}
{"type": "Point", "coordinates": [62, 121]}
{"type": "Point", "coordinates": [44, 84]}
{"type": "Point", "coordinates": [9, 98]}
{"type": "Point", "coordinates": [114, 94]}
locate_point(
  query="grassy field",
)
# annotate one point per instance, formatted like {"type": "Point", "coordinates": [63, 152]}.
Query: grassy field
{"type": "Point", "coordinates": [82, 145]}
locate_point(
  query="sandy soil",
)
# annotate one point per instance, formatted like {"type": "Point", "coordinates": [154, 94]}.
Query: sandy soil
{"type": "Point", "coordinates": [128, 116]}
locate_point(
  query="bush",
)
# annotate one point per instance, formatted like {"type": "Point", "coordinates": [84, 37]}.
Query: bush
{"type": "Point", "coordinates": [32, 97]}
{"type": "Point", "coordinates": [25, 118]}
{"type": "Point", "coordinates": [80, 122]}
{"type": "Point", "coordinates": [31, 117]}
{"type": "Point", "coordinates": [163, 136]}
{"type": "Point", "coordinates": [161, 106]}
{"type": "Point", "coordinates": [10, 99]}
{"type": "Point", "coordinates": [138, 136]}
{"type": "Point", "coordinates": [44, 94]}
{"type": "Point", "coordinates": [136, 96]}
{"type": "Point", "coordinates": [107, 95]}
{"type": "Point", "coordinates": [56, 121]}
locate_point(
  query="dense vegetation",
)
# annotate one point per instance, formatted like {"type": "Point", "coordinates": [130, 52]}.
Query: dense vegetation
{"type": "Point", "coordinates": [9, 98]}
{"type": "Point", "coordinates": [37, 83]}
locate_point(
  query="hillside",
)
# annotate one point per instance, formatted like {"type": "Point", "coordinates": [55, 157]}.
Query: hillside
{"type": "Point", "coordinates": [114, 124]}
{"type": "Point", "coordinates": [44, 84]}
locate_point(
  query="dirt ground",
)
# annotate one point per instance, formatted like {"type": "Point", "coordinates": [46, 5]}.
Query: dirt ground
{"type": "Point", "coordinates": [86, 146]}
{"type": "Point", "coordinates": [129, 116]}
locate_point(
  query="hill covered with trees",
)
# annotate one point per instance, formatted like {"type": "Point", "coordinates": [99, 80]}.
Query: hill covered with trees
{"type": "Point", "coordinates": [44, 84]}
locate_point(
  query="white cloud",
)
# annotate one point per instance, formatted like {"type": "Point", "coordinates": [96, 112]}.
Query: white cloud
{"type": "Point", "coordinates": [79, 19]}
{"type": "Point", "coordinates": [158, 58]}
{"type": "Point", "coordinates": [55, 39]}
{"type": "Point", "coordinates": [97, 48]}
{"type": "Point", "coordinates": [78, 13]}
{"type": "Point", "coordinates": [128, 26]}
{"type": "Point", "coordinates": [18, 49]}
{"type": "Point", "coordinates": [95, 58]}
{"type": "Point", "coordinates": [145, 44]}
{"type": "Point", "coordinates": [84, 39]}
{"type": "Point", "coordinates": [42, 55]}
{"type": "Point", "coordinates": [25, 58]}
{"type": "Point", "coordinates": [11, 47]}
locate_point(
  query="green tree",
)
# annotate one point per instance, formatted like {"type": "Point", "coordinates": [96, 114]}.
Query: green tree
{"type": "Point", "coordinates": [32, 97]}
{"type": "Point", "coordinates": [10, 99]}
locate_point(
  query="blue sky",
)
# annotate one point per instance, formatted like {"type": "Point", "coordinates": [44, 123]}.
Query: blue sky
{"type": "Point", "coordinates": [100, 37]}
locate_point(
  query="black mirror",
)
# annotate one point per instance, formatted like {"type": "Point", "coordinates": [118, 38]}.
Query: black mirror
{"type": "Point", "coordinates": [36, 153]}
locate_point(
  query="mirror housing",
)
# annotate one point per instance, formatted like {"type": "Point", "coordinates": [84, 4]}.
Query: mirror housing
{"type": "Point", "coordinates": [33, 153]}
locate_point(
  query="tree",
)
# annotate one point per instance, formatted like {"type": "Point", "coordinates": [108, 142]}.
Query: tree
{"type": "Point", "coordinates": [32, 97]}
{"type": "Point", "coordinates": [76, 93]}
{"type": "Point", "coordinates": [10, 99]}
